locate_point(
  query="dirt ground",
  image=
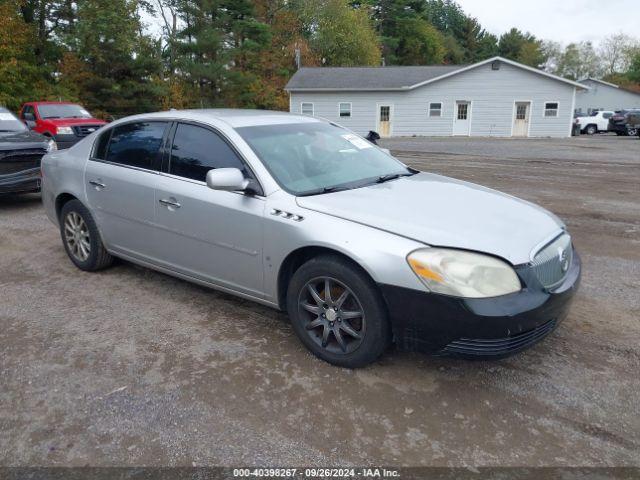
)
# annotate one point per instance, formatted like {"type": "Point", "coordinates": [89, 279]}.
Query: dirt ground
{"type": "Point", "coordinates": [132, 367]}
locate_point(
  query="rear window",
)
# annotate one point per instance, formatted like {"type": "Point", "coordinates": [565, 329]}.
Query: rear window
{"type": "Point", "coordinates": [135, 144]}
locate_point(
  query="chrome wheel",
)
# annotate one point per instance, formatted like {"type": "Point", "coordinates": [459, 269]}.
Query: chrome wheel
{"type": "Point", "coordinates": [76, 234]}
{"type": "Point", "coordinates": [632, 132]}
{"type": "Point", "coordinates": [334, 318]}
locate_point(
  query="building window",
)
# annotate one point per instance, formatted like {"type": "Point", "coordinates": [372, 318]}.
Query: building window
{"type": "Point", "coordinates": [345, 109]}
{"type": "Point", "coordinates": [551, 109]}
{"type": "Point", "coordinates": [306, 108]}
{"type": "Point", "coordinates": [435, 109]}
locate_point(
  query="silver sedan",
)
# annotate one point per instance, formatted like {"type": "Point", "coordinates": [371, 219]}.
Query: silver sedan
{"type": "Point", "coordinates": [304, 216]}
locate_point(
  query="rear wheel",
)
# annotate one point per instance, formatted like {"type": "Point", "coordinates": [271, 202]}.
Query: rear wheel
{"type": "Point", "coordinates": [591, 130]}
{"type": "Point", "coordinates": [81, 238]}
{"type": "Point", "coordinates": [338, 312]}
{"type": "Point", "coordinates": [632, 132]}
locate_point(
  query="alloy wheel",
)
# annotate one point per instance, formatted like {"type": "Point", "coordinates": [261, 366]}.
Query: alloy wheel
{"type": "Point", "coordinates": [334, 318]}
{"type": "Point", "coordinates": [76, 234]}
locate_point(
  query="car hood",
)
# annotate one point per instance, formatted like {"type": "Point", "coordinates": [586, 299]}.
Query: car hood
{"type": "Point", "coordinates": [441, 211]}
{"type": "Point", "coordinates": [24, 139]}
{"type": "Point", "coordinates": [70, 122]}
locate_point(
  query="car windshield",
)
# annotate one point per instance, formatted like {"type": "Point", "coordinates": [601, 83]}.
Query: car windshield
{"type": "Point", "coordinates": [9, 122]}
{"type": "Point", "coordinates": [62, 111]}
{"type": "Point", "coordinates": [313, 158]}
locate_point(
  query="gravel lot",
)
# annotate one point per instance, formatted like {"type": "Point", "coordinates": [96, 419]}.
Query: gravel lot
{"type": "Point", "coordinates": [132, 367]}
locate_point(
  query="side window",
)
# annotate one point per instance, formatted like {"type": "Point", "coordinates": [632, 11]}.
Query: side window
{"type": "Point", "coordinates": [100, 147]}
{"type": "Point", "coordinates": [27, 109]}
{"type": "Point", "coordinates": [196, 150]}
{"type": "Point", "coordinates": [136, 144]}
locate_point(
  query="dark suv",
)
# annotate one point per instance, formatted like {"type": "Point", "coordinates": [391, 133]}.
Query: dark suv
{"type": "Point", "coordinates": [20, 153]}
{"type": "Point", "coordinates": [620, 124]}
{"type": "Point", "coordinates": [633, 122]}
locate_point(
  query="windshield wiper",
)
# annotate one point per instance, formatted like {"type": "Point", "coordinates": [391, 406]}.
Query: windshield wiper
{"type": "Point", "coordinates": [392, 176]}
{"type": "Point", "coordinates": [320, 191]}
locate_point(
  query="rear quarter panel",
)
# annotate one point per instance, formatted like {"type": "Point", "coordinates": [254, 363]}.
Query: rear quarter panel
{"type": "Point", "coordinates": [63, 173]}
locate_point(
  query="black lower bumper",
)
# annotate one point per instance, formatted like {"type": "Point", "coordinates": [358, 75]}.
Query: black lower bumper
{"type": "Point", "coordinates": [22, 182]}
{"type": "Point", "coordinates": [486, 327]}
{"type": "Point", "coordinates": [66, 141]}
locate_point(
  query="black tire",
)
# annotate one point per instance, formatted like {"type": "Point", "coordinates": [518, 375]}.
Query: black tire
{"type": "Point", "coordinates": [372, 326]}
{"type": "Point", "coordinates": [591, 130]}
{"type": "Point", "coordinates": [97, 257]}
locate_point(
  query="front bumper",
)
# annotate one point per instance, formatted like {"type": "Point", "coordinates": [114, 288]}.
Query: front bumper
{"type": "Point", "coordinates": [66, 141]}
{"type": "Point", "coordinates": [21, 182]}
{"type": "Point", "coordinates": [617, 128]}
{"type": "Point", "coordinates": [486, 327]}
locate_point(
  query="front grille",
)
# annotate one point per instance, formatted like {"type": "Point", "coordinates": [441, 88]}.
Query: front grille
{"type": "Point", "coordinates": [500, 346]}
{"type": "Point", "coordinates": [15, 161]}
{"type": "Point", "coordinates": [552, 262]}
{"type": "Point", "coordinates": [84, 130]}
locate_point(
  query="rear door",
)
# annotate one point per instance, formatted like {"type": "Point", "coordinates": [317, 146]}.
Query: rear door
{"type": "Point", "coordinates": [208, 234]}
{"type": "Point", "coordinates": [120, 181]}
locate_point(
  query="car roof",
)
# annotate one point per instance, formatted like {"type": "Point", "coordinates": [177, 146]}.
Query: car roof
{"type": "Point", "coordinates": [48, 102]}
{"type": "Point", "coordinates": [235, 118]}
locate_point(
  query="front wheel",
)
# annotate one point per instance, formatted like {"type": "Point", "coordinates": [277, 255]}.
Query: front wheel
{"type": "Point", "coordinates": [632, 132]}
{"type": "Point", "coordinates": [81, 238]}
{"type": "Point", "coordinates": [338, 312]}
{"type": "Point", "coordinates": [591, 130]}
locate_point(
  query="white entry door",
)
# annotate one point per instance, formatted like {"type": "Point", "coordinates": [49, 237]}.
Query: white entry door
{"type": "Point", "coordinates": [384, 120]}
{"type": "Point", "coordinates": [462, 118]}
{"type": "Point", "coordinates": [521, 119]}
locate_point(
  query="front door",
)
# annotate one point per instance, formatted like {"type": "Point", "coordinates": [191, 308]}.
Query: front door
{"type": "Point", "coordinates": [208, 234]}
{"type": "Point", "coordinates": [384, 120]}
{"type": "Point", "coordinates": [521, 119]}
{"type": "Point", "coordinates": [462, 118]}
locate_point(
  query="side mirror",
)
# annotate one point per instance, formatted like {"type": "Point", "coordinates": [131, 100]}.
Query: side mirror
{"type": "Point", "coordinates": [29, 117]}
{"type": "Point", "coordinates": [227, 179]}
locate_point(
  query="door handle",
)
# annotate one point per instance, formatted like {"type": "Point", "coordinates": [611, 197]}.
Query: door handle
{"type": "Point", "coordinates": [169, 203]}
{"type": "Point", "coordinates": [97, 184]}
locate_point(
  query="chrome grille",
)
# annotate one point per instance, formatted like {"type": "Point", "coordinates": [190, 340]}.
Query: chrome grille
{"type": "Point", "coordinates": [552, 262]}
{"type": "Point", "coordinates": [84, 130]}
{"type": "Point", "coordinates": [15, 161]}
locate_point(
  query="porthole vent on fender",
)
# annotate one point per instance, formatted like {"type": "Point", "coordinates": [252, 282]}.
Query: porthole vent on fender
{"type": "Point", "coordinates": [287, 215]}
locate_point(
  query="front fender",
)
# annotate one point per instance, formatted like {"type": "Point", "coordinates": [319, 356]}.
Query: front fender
{"type": "Point", "coordinates": [381, 254]}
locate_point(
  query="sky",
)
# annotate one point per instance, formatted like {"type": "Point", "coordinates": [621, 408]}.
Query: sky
{"type": "Point", "coordinates": [564, 21]}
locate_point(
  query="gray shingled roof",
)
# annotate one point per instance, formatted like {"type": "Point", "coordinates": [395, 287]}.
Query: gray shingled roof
{"type": "Point", "coordinates": [365, 78]}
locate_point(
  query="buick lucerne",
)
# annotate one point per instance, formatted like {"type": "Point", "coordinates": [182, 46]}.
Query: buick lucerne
{"type": "Point", "coordinates": [305, 216]}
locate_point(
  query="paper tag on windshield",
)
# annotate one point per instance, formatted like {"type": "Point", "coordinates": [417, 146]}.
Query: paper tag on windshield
{"type": "Point", "coordinates": [7, 117]}
{"type": "Point", "coordinates": [356, 141]}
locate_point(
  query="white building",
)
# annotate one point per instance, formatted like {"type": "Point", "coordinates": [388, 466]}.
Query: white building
{"type": "Point", "coordinates": [605, 96]}
{"type": "Point", "coordinates": [495, 97]}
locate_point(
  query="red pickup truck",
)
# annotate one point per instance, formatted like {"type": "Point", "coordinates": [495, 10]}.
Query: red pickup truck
{"type": "Point", "coordinates": [67, 123]}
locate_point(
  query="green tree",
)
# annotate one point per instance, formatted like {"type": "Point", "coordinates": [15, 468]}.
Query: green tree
{"type": "Point", "coordinates": [122, 64]}
{"type": "Point", "coordinates": [18, 72]}
{"type": "Point", "coordinates": [340, 34]}
{"type": "Point", "coordinates": [220, 48]}
{"type": "Point", "coordinates": [419, 43]}
{"type": "Point", "coordinates": [633, 73]}
{"type": "Point", "coordinates": [521, 47]}
{"type": "Point", "coordinates": [577, 61]}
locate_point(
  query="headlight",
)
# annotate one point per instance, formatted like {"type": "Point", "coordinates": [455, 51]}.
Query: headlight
{"type": "Point", "coordinates": [52, 146]}
{"type": "Point", "coordinates": [463, 274]}
{"type": "Point", "coordinates": [65, 131]}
